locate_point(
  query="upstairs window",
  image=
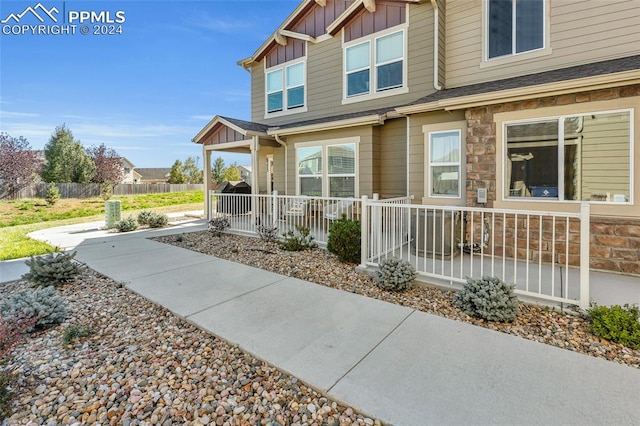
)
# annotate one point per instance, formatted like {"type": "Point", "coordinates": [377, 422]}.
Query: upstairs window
{"type": "Point", "coordinates": [514, 26]}
{"type": "Point", "coordinates": [285, 88]}
{"type": "Point", "coordinates": [379, 60]}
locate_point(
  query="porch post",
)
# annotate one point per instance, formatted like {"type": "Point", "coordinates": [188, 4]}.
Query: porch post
{"type": "Point", "coordinates": [585, 231]}
{"type": "Point", "coordinates": [255, 188]}
{"type": "Point", "coordinates": [207, 181]}
{"type": "Point", "coordinates": [364, 232]}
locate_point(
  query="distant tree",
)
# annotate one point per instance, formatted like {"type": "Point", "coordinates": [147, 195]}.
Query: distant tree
{"type": "Point", "coordinates": [53, 194]}
{"type": "Point", "coordinates": [191, 171]}
{"type": "Point", "coordinates": [109, 168]}
{"type": "Point", "coordinates": [217, 171]}
{"type": "Point", "coordinates": [66, 159]}
{"type": "Point", "coordinates": [232, 173]}
{"type": "Point", "coordinates": [19, 165]}
{"type": "Point", "coordinates": [176, 175]}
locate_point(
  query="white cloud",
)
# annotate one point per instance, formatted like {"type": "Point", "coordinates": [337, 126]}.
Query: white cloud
{"type": "Point", "coordinates": [13, 114]}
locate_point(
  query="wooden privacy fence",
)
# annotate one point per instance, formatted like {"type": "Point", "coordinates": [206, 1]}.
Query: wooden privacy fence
{"type": "Point", "coordinates": [88, 190]}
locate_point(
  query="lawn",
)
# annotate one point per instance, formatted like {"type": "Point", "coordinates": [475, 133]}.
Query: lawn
{"type": "Point", "coordinates": [18, 218]}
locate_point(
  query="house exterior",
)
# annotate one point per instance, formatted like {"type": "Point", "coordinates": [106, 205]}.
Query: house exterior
{"type": "Point", "coordinates": [153, 174]}
{"type": "Point", "coordinates": [129, 174]}
{"type": "Point", "coordinates": [245, 173]}
{"type": "Point", "coordinates": [532, 105]}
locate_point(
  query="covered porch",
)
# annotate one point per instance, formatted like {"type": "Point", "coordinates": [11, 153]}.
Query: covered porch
{"type": "Point", "coordinates": [225, 134]}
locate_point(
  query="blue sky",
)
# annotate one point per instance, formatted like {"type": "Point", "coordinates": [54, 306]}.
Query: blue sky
{"type": "Point", "coordinates": [145, 92]}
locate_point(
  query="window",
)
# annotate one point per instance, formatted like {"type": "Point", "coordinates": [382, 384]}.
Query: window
{"type": "Point", "coordinates": [285, 88]}
{"type": "Point", "coordinates": [444, 163]}
{"type": "Point", "coordinates": [571, 158]}
{"type": "Point", "coordinates": [335, 177]}
{"type": "Point", "coordinates": [514, 26]}
{"type": "Point", "coordinates": [380, 60]}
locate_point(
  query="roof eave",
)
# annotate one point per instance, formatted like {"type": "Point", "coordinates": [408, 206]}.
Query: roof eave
{"type": "Point", "coordinates": [371, 119]}
{"type": "Point", "coordinates": [523, 93]}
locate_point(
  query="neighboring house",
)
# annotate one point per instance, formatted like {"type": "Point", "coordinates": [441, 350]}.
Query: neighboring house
{"type": "Point", "coordinates": [130, 175]}
{"type": "Point", "coordinates": [245, 173]}
{"type": "Point", "coordinates": [537, 102]}
{"type": "Point", "coordinates": [153, 175]}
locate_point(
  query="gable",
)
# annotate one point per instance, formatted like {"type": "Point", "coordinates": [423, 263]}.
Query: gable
{"type": "Point", "coordinates": [365, 23]}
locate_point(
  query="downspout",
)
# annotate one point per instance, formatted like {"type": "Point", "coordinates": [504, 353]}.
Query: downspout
{"type": "Point", "coordinates": [286, 162]}
{"type": "Point", "coordinates": [436, 45]}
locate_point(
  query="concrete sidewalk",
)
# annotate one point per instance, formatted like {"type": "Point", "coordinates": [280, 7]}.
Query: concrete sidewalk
{"type": "Point", "coordinates": [402, 366]}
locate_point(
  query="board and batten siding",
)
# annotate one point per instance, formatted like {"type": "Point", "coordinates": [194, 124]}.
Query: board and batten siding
{"type": "Point", "coordinates": [325, 75]}
{"type": "Point", "coordinates": [580, 32]}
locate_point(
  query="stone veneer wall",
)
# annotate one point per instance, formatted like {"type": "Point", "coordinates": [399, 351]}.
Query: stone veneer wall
{"type": "Point", "coordinates": [615, 242]}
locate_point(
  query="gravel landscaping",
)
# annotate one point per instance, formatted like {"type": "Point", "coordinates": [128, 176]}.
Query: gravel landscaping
{"type": "Point", "coordinates": [538, 323]}
{"type": "Point", "coordinates": [142, 365]}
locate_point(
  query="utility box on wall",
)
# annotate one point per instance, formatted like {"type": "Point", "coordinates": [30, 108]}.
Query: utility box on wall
{"type": "Point", "coordinates": [112, 213]}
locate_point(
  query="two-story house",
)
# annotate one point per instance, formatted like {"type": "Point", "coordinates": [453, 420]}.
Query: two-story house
{"type": "Point", "coordinates": [536, 102]}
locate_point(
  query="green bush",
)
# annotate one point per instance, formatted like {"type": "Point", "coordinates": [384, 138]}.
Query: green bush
{"type": "Point", "coordinates": [344, 240]}
{"type": "Point", "coordinates": [298, 240]}
{"type": "Point", "coordinates": [144, 216]}
{"type": "Point", "coordinates": [75, 332]}
{"type": "Point", "coordinates": [620, 324]}
{"type": "Point", "coordinates": [489, 298]}
{"type": "Point", "coordinates": [7, 380]}
{"type": "Point", "coordinates": [106, 191]}
{"type": "Point", "coordinates": [395, 274]}
{"type": "Point", "coordinates": [267, 234]}
{"type": "Point", "coordinates": [127, 224]}
{"type": "Point", "coordinates": [42, 303]}
{"type": "Point", "coordinates": [52, 270]}
{"type": "Point", "coordinates": [52, 195]}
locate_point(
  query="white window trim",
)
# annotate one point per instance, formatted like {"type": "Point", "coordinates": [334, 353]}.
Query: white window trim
{"type": "Point", "coordinates": [430, 164]}
{"type": "Point", "coordinates": [373, 67]}
{"type": "Point", "coordinates": [285, 110]}
{"type": "Point", "coordinates": [323, 145]}
{"type": "Point", "coordinates": [545, 50]}
{"type": "Point", "coordinates": [560, 198]}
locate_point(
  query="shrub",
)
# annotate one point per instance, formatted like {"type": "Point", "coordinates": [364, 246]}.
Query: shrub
{"type": "Point", "coordinates": [344, 240]}
{"type": "Point", "coordinates": [42, 303]}
{"type": "Point", "coordinates": [298, 240]}
{"type": "Point", "coordinates": [267, 234]}
{"type": "Point", "coordinates": [620, 324]}
{"type": "Point", "coordinates": [52, 195]}
{"type": "Point", "coordinates": [489, 298]}
{"type": "Point", "coordinates": [75, 332]}
{"type": "Point", "coordinates": [127, 224]}
{"type": "Point", "coordinates": [153, 219]}
{"type": "Point", "coordinates": [395, 274]}
{"type": "Point", "coordinates": [51, 270]}
{"type": "Point", "coordinates": [6, 394]}
{"type": "Point", "coordinates": [218, 224]}
{"type": "Point", "coordinates": [144, 216]}
{"type": "Point", "coordinates": [106, 191]}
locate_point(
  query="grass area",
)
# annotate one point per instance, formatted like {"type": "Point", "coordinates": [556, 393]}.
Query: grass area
{"type": "Point", "coordinates": [30, 211]}
{"type": "Point", "coordinates": [15, 244]}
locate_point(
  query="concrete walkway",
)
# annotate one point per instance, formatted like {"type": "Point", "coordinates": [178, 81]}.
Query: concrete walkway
{"type": "Point", "coordinates": [402, 366]}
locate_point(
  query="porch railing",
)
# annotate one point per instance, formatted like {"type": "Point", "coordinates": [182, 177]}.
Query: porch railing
{"type": "Point", "coordinates": [545, 254]}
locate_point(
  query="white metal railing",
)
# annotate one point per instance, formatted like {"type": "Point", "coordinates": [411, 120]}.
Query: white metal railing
{"type": "Point", "coordinates": [545, 254]}
{"type": "Point", "coordinates": [247, 213]}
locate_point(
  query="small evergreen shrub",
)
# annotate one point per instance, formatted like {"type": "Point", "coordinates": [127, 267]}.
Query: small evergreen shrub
{"type": "Point", "coordinates": [218, 224]}
{"type": "Point", "coordinates": [144, 216]}
{"type": "Point", "coordinates": [42, 303]}
{"type": "Point", "coordinates": [395, 274]}
{"type": "Point", "coordinates": [489, 298]}
{"type": "Point", "coordinates": [267, 234]}
{"type": "Point", "coordinates": [620, 324]}
{"type": "Point", "coordinates": [157, 220]}
{"type": "Point", "coordinates": [344, 240]}
{"type": "Point", "coordinates": [75, 332]}
{"type": "Point", "coordinates": [52, 195]}
{"type": "Point", "coordinates": [298, 240]}
{"type": "Point", "coordinates": [52, 270]}
{"type": "Point", "coordinates": [127, 224]}
{"type": "Point", "coordinates": [106, 191]}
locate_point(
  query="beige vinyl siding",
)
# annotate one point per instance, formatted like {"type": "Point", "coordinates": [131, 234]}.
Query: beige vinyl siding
{"type": "Point", "coordinates": [580, 32]}
{"type": "Point", "coordinates": [392, 164]}
{"type": "Point", "coordinates": [325, 75]}
{"type": "Point", "coordinates": [417, 167]}
{"type": "Point", "coordinates": [605, 155]}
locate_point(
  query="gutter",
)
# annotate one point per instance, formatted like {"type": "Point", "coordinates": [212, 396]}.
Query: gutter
{"type": "Point", "coordinates": [436, 45]}
{"type": "Point", "coordinates": [373, 119]}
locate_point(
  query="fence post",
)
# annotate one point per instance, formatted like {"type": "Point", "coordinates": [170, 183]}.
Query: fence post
{"type": "Point", "coordinates": [364, 232]}
{"type": "Point", "coordinates": [585, 231]}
